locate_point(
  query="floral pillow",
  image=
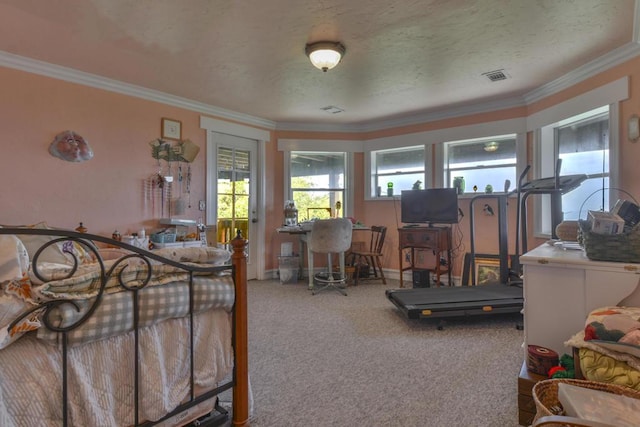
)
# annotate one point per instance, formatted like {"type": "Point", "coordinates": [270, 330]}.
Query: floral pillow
{"type": "Point", "coordinates": [78, 251]}
{"type": "Point", "coordinates": [61, 253]}
{"type": "Point", "coordinates": [15, 290]}
{"type": "Point", "coordinates": [615, 328]}
{"type": "Point", "coordinates": [14, 258]}
{"type": "Point", "coordinates": [34, 242]}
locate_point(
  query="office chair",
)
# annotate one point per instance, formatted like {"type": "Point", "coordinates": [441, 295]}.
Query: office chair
{"type": "Point", "coordinates": [372, 256]}
{"type": "Point", "coordinates": [331, 237]}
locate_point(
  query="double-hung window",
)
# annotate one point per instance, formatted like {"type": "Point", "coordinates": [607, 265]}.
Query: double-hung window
{"type": "Point", "coordinates": [582, 143]}
{"type": "Point", "coordinates": [481, 164]}
{"type": "Point", "coordinates": [317, 183]}
{"type": "Point", "coordinates": [394, 170]}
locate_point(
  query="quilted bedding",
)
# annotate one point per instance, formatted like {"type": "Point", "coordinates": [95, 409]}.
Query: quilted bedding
{"type": "Point", "coordinates": [114, 315]}
{"type": "Point", "coordinates": [609, 346]}
{"type": "Point", "coordinates": [31, 379]}
{"type": "Point", "coordinates": [70, 285]}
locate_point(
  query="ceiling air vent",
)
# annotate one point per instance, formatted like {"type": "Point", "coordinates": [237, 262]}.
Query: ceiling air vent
{"type": "Point", "coordinates": [496, 75]}
{"type": "Point", "coordinates": [332, 109]}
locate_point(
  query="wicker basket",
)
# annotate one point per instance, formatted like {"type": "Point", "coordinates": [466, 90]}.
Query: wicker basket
{"type": "Point", "coordinates": [545, 394]}
{"type": "Point", "coordinates": [624, 247]}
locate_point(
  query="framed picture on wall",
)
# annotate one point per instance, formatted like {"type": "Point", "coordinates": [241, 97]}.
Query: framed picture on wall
{"type": "Point", "coordinates": [171, 129]}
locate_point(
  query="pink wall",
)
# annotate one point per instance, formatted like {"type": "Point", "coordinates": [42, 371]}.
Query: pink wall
{"type": "Point", "coordinates": [106, 193]}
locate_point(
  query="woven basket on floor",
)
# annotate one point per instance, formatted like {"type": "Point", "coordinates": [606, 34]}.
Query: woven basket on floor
{"type": "Point", "coordinates": [624, 247]}
{"type": "Point", "coordinates": [545, 394]}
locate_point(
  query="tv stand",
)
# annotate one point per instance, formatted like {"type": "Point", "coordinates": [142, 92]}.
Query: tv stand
{"type": "Point", "coordinates": [431, 237]}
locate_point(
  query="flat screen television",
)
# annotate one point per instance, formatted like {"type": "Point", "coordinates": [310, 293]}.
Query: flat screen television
{"type": "Point", "coordinates": [430, 206]}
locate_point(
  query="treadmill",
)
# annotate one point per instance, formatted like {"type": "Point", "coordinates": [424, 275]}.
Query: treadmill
{"type": "Point", "coordinates": [457, 301]}
{"type": "Point", "coordinates": [503, 297]}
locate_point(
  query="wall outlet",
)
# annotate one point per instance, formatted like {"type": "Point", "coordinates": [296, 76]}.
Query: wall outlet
{"type": "Point", "coordinates": [202, 205]}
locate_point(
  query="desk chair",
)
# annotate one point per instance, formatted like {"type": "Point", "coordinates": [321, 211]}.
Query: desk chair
{"type": "Point", "coordinates": [372, 256]}
{"type": "Point", "coordinates": [329, 236]}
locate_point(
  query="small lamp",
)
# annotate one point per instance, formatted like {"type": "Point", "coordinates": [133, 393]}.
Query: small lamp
{"type": "Point", "coordinates": [325, 55]}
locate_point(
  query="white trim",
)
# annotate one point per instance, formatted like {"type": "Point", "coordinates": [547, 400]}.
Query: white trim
{"type": "Point", "coordinates": [438, 167]}
{"type": "Point", "coordinates": [599, 65]}
{"type": "Point", "coordinates": [34, 66]}
{"type": "Point", "coordinates": [261, 136]}
{"type": "Point", "coordinates": [229, 128]}
{"type": "Point", "coordinates": [614, 145]}
{"type": "Point", "coordinates": [602, 64]}
{"type": "Point", "coordinates": [521, 157]}
{"type": "Point", "coordinates": [328, 145]}
{"type": "Point", "coordinates": [350, 190]}
{"type": "Point", "coordinates": [636, 22]}
{"type": "Point", "coordinates": [406, 120]}
{"type": "Point", "coordinates": [368, 170]}
{"type": "Point", "coordinates": [542, 167]}
{"type": "Point", "coordinates": [349, 199]}
{"type": "Point", "coordinates": [609, 93]}
{"type": "Point", "coordinates": [480, 130]}
{"type": "Point", "coordinates": [286, 181]}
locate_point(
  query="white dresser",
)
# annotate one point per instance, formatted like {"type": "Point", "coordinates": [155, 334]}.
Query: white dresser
{"type": "Point", "coordinates": [561, 287]}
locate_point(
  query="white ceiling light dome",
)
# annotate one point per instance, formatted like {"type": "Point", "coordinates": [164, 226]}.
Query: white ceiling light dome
{"type": "Point", "coordinates": [325, 55]}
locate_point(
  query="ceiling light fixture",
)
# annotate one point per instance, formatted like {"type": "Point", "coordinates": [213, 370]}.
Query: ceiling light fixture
{"type": "Point", "coordinates": [491, 146]}
{"type": "Point", "coordinates": [325, 55]}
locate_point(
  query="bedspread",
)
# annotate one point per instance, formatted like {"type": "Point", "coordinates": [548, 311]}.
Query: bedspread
{"type": "Point", "coordinates": [114, 314]}
{"type": "Point", "coordinates": [31, 378]}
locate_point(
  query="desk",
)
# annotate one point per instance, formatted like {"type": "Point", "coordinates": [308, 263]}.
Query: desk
{"type": "Point", "coordinates": [437, 239]}
{"type": "Point", "coordinates": [302, 233]}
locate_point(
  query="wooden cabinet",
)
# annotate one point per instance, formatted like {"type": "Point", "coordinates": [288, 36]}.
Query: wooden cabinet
{"type": "Point", "coordinates": [561, 288]}
{"type": "Point", "coordinates": [437, 239]}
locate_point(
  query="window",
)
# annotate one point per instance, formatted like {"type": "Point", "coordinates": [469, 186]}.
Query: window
{"type": "Point", "coordinates": [317, 183]}
{"type": "Point", "coordinates": [582, 143]}
{"type": "Point", "coordinates": [481, 162]}
{"type": "Point", "coordinates": [397, 169]}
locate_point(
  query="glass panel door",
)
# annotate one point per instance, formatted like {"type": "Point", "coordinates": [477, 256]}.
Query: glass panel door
{"type": "Point", "coordinates": [235, 193]}
{"type": "Point", "coordinates": [234, 179]}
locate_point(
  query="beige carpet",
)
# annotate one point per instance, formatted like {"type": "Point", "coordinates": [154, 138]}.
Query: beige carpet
{"type": "Point", "coordinates": [331, 360]}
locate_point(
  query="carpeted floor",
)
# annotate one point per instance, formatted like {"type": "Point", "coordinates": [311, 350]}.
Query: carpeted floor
{"type": "Point", "coordinates": [331, 360]}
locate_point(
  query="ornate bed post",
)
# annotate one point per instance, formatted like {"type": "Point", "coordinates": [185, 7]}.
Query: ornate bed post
{"type": "Point", "coordinates": [241, 388]}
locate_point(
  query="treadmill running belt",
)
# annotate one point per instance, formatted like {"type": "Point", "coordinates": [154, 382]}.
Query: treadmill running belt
{"type": "Point", "coordinates": [457, 300]}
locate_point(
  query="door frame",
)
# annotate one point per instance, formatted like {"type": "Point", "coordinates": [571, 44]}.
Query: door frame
{"type": "Point", "coordinates": [261, 137]}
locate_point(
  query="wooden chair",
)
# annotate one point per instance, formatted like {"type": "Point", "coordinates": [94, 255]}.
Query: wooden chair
{"type": "Point", "coordinates": [372, 256]}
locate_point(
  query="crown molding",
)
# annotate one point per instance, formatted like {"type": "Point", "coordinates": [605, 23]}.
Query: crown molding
{"type": "Point", "coordinates": [407, 120]}
{"type": "Point", "coordinates": [603, 63]}
{"type": "Point", "coordinates": [34, 66]}
{"type": "Point", "coordinates": [610, 59]}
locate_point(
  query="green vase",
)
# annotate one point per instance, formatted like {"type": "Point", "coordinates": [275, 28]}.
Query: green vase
{"type": "Point", "coordinates": [458, 184]}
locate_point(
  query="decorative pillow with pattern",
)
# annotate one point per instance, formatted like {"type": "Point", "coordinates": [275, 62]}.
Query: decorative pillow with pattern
{"type": "Point", "coordinates": [15, 290]}
{"type": "Point", "coordinates": [34, 242]}
{"type": "Point", "coordinates": [14, 258]}
{"type": "Point", "coordinates": [615, 328]}
{"type": "Point", "coordinates": [60, 253]}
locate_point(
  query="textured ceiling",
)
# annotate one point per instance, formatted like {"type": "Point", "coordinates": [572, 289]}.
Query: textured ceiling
{"type": "Point", "coordinates": [403, 57]}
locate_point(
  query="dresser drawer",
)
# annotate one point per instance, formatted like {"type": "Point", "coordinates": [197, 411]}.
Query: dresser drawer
{"type": "Point", "coordinates": [422, 237]}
